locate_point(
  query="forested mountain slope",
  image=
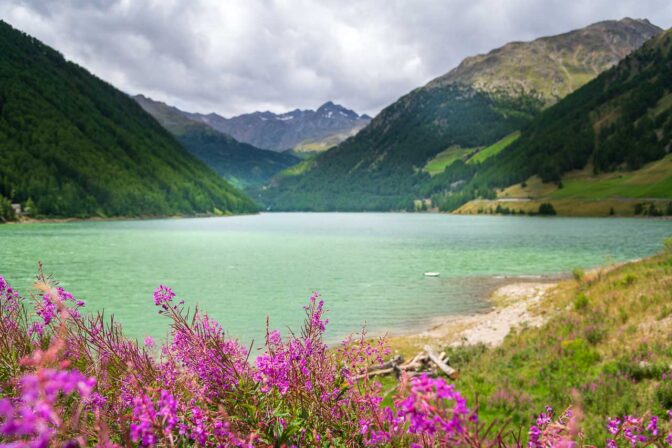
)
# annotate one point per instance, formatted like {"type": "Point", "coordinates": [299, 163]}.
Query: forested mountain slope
{"type": "Point", "coordinates": [72, 145]}
{"type": "Point", "coordinates": [242, 164]}
{"type": "Point", "coordinates": [475, 105]}
{"type": "Point", "coordinates": [617, 123]}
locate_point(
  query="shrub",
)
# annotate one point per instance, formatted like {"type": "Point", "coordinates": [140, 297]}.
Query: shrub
{"type": "Point", "coordinates": [547, 209]}
{"type": "Point", "coordinates": [581, 302]}
{"type": "Point", "coordinates": [664, 394]}
{"type": "Point", "coordinates": [578, 274]}
{"type": "Point", "coordinates": [628, 280]}
{"type": "Point", "coordinates": [6, 210]}
{"type": "Point", "coordinates": [667, 244]}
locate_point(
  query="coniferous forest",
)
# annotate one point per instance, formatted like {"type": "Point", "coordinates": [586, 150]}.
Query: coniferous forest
{"type": "Point", "coordinates": [74, 146]}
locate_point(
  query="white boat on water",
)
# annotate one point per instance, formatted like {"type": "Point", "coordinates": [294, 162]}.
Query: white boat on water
{"type": "Point", "coordinates": [431, 274]}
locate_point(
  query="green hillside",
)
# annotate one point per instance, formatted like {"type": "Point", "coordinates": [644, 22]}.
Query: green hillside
{"type": "Point", "coordinates": [72, 145]}
{"type": "Point", "coordinates": [240, 163]}
{"type": "Point", "coordinates": [617, 123]}
{"type": "Point", "coordinates": [604, 346]}
{"type": "Point", "coordinates": [494, 149]}
{"type": "Point", "coordinates": [446, 158]}
{"type": "Point", "coordinates": [485, 99]}
{"type": "Point", "coordinates": [381, 167]}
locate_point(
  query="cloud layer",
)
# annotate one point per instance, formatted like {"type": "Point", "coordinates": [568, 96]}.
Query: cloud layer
{"type": "Point", "coordinates": [237, 56]}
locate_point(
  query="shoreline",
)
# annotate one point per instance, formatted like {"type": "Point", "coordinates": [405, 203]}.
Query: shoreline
{"type": "Point", "coordinates": [26, 220]}
{"type": "Point", "coordinates": [512, 304]}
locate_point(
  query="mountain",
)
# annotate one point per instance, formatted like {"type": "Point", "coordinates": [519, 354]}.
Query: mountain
{"type": "Point", "coordinates": [484, 100]}
{"type": "Point", "coordinates": [305, 130]}
{"type": "Point", "coordinates": [608, 143]}
{"type": "Point", "coordinates": [240, 163]}
{"type": "Point", "coordinates": [549, 68]}
{"type": "Point", "coordinates": [73, 145]}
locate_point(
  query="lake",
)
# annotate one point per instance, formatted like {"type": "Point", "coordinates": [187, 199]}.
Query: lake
{"type": "Point", "coordinates": [367, 266]}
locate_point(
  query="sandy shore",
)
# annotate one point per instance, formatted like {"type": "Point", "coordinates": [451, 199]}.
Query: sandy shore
{"type": "Point", "coordinates": [513, 306]}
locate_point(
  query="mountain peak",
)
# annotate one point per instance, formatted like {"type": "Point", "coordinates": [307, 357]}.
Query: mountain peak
{"type": "Point", "coordinates": [548, 68]}
{"type": "Point", "coordinates": [330, 110]}
{"type": "Point", "coordinates": [322, 128]}
{"type": "Point", "coordinates": [328, 104]}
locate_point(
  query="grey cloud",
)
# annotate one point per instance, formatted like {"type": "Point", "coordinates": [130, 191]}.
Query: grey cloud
{"type": "Point", "coordinates": [235, 56]}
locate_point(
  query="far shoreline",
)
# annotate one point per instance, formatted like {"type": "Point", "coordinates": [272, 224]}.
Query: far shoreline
{"type": "Point", "coordinates": [26, 220]}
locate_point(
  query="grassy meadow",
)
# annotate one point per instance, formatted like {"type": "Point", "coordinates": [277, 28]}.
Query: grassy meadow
{"type": "Point", "coordinates": [605, 347]}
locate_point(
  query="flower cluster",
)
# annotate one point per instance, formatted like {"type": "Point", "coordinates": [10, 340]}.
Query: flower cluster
{"type": "Point", "coordinates": [76, 381]}
{"type": "Point", "coordinates": [637, 431]}
{"type": "Point", "coordinates": [34, 415]}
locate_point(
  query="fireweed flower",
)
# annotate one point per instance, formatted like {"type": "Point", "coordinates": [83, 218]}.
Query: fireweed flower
{"type": "Point", "coordinates": [149, 342]}
{"type": "Point", "coordinates": [142, 423]}
{"type": "Point", "coordinates": [35, 417]}
{"type": "Point", "coordinates": [51, 304]}
{"type": "Point", "coordinates": [652, 426]}
{"type": "Point", "coordinates": [200, 389]}
{"type": "Point", "coordinates": [163, 295]}
{"type": "Point", "coordinates": [613, 426]}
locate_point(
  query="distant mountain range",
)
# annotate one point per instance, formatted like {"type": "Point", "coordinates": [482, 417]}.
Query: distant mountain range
{"type": "Point", "coordinates": [580, 122]}
{"type": "Point", "coordinates": [241, 163]}
{"type": "Point", "coordinates": [299, 130]}
{"type": "Point", "coordinates": [72, 145]}
{"type": "Point", "coordinates": [468, 115]}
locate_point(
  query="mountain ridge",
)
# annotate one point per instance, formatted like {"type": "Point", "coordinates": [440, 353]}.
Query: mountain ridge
{"type": "Point", "coordinates": [240, 163]}
{"type": "Point", "coordinates": [382, 167]}
{"type": "Point", "coordinates": [621, 123]}
{"type": "Point", "coordinates": [72, 145]}
{"type": "Point", "coordinates": [285, 131]}
{"type": "Point", "coordinates": [495, 71]}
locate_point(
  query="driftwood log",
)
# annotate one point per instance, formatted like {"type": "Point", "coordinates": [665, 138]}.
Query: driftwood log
{"type": "Point", "coordinates": [436, 359]}
{"type": "Point", "coordinates": [426, 361]}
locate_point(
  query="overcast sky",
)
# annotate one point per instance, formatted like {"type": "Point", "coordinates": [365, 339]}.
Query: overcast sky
{"type": "Point", "coordinates": [232, 56]}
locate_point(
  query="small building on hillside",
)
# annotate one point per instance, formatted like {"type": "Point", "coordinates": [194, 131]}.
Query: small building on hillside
{"type": "Point", "coordinates": [17, 209]}
{"type": "Point", "coordinates": [422, 204]}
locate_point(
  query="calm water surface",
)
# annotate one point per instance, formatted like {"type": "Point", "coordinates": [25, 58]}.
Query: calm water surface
{"type": "Point", "coordinates": [368, 267]}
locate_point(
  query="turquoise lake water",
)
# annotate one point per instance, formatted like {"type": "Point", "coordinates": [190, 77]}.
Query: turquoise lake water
{"type": "Point", "coordinates": [368, 266]}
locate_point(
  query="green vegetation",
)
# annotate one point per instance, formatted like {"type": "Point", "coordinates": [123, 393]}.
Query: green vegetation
{"type": "Point", "coordinates": [240, 163]}
{"type": "Point", "coordinates": [381, 167]}
{"type": "Point", "coordinates": [605, 347]}
{"type": "Point", "coordinates": [401, 155]}
{"type": "Point", "coordinates": [654, 180]}
{"type": "Point", "coordinates": [6, 210]}
{"type": "Point", "coordinates": [495, 148]}
{"type": "Point", "coordinates": [315, 146]}
{"type": "Point", "coordinates": [446, 158]}
{"type": "Point", "coordinates": [546, 209]}
{"type": "Point", "coordinates": [77, 147]}
{"type": "Point", "coordinates": [298, 169]}
{"type": "Point", "coordinates": [617, 123]}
